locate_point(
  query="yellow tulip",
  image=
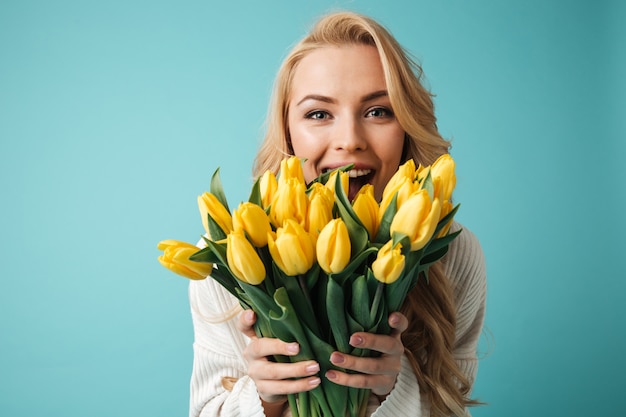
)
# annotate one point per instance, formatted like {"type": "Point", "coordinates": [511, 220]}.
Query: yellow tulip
{"type": "Point", "coordinates": [176, 258]}
{"type": "Point", "coordinates": [404, 172]}
{"type": "Point", "coordinates": [345, 181]}
{"type": "Point", "coordinates": [404, 187]}
{"type": "Point", "coordinates": [389, 263]}
{"type": "Point", "coordinates": [252, 219]}
{"type": "Point", "coordinates": [289, 202]}
{"type": "Point", "coordinates": [333, 247]}
{"type": "Point", "coordinates": [443, 168]}
{"type": "Point", "coordinates": [366, 209]}
{"type": "Point", "coordinates": [290, 168]}
{"type": "Point", "coordinates": [210, 205]}
{"type": "Point", "coordinates": [446, 208]}
{"type": "Point", "coordinates": [417, 218]}
{"type": "Point", "coordinates": [293, 249]}
{"type": "Point", "coordinates": [243, 260]}
{"type": "Point", "coordinates": [267, 186]}
{"type": "Point", "coordinates": [321, 201]}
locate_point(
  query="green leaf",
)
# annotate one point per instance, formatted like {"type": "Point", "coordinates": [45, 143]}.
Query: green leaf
{"type": "Point", "coordinates": [204, 255]}
{"type": "Point", "coordinates": [217, 189]}
{"type": "Point", "coordinates": [427, 184]}
{"type": "Point", "coordinates": [323, 178]}
{"type": "Point", "coordinates": [358, 233]}
{"type": "Point", "coordinates": [396, 292]}
{"type": "Point", "coordinates": [262, 303]}
{"type": "Point", "coordinates": [446, 219]}
{"type": "Point", "coordinates": [336, 315]}
{"type": "Point", "coordinates": [224, 277]}
{"type": "Point", "coordinates": [385, 223]}
{"type": "Point", "coordinates": [215, 231]}
{"type": "Point", "coordinates": [286, 325]}
{"type": "Point", "coordinates": [354, 264]}
{"type": "Point", "coordinates": [300, 298]}
{"type": "Point", "coordinates": [353, 324]}
{"type": "Point", "coordinates": [255, 193]}
{"type": "Point", "coordinates": [433, 257]}
{"type": "Point", "coordinates": [360, 301]}
{"type": "Point", "coordinates": [436, 244]}
{"type": "Point", "coordinates": [217, 250]}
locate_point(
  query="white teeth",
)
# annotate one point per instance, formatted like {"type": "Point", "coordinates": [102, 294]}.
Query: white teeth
{"type": "Point", "coordinates": [354, 173]}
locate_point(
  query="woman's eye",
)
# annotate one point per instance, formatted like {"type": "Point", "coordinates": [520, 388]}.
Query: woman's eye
{"type": "Point", "coordinates": [317, 115]}
{"type": "Point", "coordinates": [379, 112]}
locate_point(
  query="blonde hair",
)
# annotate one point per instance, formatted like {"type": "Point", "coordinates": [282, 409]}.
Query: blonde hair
{"type": "Point", "coordinates": [430, 339]}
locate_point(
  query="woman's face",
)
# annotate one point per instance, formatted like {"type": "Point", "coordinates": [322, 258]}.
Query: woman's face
{"type": "Point", "coordinates": [340, 113]}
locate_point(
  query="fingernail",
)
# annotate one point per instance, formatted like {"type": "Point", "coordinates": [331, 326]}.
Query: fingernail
{"type": "Point", "coordinates": [356, 340]}
{"type": "Point", "coordinates": [313, 368]}
{"type": "Point", "coordinates": [331, 375]}
{"type": "Point", "coordinates": [293, 348]}
{"type": "Point", "coordinates": [337, 358]}
{"type": "Point", "coordinates": [394, 320]}
{"type": "Point", "coordinates": [315, 381]}
{"type": "Point", "coordinates": [249, 315]}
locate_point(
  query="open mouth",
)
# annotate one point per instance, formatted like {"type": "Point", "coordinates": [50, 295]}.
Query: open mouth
{"type": "Point", "coordinates": [357, 179]}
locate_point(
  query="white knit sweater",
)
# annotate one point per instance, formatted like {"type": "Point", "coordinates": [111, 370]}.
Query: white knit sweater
{"type": "Point", "coordinates": [219, 345]}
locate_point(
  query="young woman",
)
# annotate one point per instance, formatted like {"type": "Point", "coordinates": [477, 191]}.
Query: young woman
{"type": "Point", "coordinates": [348, 93]}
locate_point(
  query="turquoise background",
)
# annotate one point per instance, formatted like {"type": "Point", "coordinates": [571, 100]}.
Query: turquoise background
{"type": "Point", "coordinates": [113, 115]}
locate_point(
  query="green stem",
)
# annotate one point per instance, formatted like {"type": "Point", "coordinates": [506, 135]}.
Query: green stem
{"type": "Point", "coordinates": [293, 405]}
{"type": "Point", "coordinates": [376, 303]}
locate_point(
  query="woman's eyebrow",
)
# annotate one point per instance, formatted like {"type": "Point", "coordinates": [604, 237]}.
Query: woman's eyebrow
{"type": "Point", "coordinates": [375, 95]}
{"type": "Point", "coordinates": [316, 97]}
{"type": "Point", "coordinates": [326, 99]}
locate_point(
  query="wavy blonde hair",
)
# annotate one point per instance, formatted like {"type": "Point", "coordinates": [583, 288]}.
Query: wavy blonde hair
{"type": "Point", "coordinates": [430, 308]}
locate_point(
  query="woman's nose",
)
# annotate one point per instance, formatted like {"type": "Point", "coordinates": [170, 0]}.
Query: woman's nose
{"type": "Point", "coordinates": [349, 136]}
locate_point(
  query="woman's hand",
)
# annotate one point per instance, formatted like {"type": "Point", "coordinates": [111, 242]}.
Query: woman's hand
{"type": "Point", "coordinates": [378, 374]}
{"type": "Point", "coordinates": [275, 380]}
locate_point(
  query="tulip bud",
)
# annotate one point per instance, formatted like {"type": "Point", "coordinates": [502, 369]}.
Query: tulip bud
{"type": "Point", "coordinates": [291, 168]}
{"type": "Point", "coordinates": [321, 201]}
{"type": "Point", "coordinates": [417, 218]}
{"type": "Point", "coordinates": [333, 247]}
{"type": "Point", "coordinates": [293, 250]}
{"type": "Point", "coordinates": [345, 181]}
{"type": "Point", "coordinates": [404, 172]}
{"type": "Point", "coordinates": [289, 202]}
{"type": "Point", "coordinates": [389, 263]}
{"type": "Point", "coordinates": [366, 209]}
{"type": "Point", "coordinates": [176, 256]}
{"type": "Point", "coordinates": [243, 261]}
{"type": "Point", "coordinates": [210, 205]}
{"type": "Point", "coordinates": [444, 178]}
{"type": "Point", "coordinates": [404, 187]}
{"type": "Point", "coordinates": [252, 219]}
{"type": "Point", "coordinates": [446, 208]}
{"type": "Point", "coordinates": [267, 186]}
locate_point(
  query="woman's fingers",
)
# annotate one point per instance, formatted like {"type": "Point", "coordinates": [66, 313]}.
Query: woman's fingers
{"type": "Point", "coordinates": [275, 380]}
{"type": "Point", "coordinates": [376, 373]}
{"type": "Point", "coordinates": [272, 389]}
{"type": "Point", "coordinates": [246, 321]}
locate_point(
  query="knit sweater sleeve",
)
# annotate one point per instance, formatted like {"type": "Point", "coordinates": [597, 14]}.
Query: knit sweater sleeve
{"type": "Point", "coordinates": [218, 347]}
{"type": "Point", "coordinates": [465, 267]}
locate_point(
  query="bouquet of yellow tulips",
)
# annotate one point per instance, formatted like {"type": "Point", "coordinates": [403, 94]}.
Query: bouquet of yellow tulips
{"type": "Point", "coordinates": [316, 267]}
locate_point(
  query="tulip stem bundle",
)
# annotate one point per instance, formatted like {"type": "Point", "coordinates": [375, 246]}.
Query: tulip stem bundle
{"type": "Point", "coordinates": [316, 267]}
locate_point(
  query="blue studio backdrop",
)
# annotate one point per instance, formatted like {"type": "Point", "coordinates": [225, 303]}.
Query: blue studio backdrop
{"type": "Point", "coordinates": [113, 116]}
